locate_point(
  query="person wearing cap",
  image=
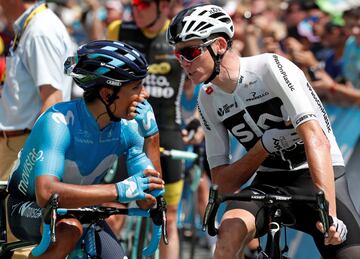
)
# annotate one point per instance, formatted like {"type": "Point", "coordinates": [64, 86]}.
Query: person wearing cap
{"type": "Point", "coordinates": [74, 144]}
{"type": "Point", "coordinates": [267, 104]}
{"type": "Point", "coordinates": [164, 84]}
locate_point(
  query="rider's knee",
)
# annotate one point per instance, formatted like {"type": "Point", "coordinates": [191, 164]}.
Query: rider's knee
{"type": "Point", "coordinates": [70, 227]}
{"type": "Point", "coordinates": [171, 214]}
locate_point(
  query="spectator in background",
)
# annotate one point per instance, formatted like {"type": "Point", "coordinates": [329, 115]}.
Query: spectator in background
{"type": "Point", "coordinates": [337, 92]}
{"type": "Point", "coordinates": [34, 76]}
{"type": "Point", "coordinates": [2, 63]}
{"type": "Point", "coordinates": [352, 48]}
{"type": "Point", "coordinates": [114, 11]}
{"type": "Point", "coordinates": [164, 84]}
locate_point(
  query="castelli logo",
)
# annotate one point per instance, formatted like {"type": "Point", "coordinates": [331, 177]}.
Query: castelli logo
{"type": "Point", "coordinates": [115, 83]}
{"type": "Point", "coordinates": [209, 90]}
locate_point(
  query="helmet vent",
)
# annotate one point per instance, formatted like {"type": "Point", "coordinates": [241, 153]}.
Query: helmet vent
{"type": "Point", "coordinates": [225, 20]}
{"type": "Point", "coordinates": [190, 25]}
{"type": "Point", "coordinates": [103, 59]}
{"type": "Point", "coordinates": [189, 36]}
{"type": "Point", "coordinates": [203, 12]}
{"type": "Point", "coordinates": [206, 26]}
{"type": "Point", "coordinates": [200, 25]}
{"type": "Point", "coordinates": [216, 15]}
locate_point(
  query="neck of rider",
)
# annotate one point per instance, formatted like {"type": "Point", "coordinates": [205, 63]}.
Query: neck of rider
{"type": "Point", "coordinates": [98, 110]}
{"type": "Point", "coordinates": [228, 77]}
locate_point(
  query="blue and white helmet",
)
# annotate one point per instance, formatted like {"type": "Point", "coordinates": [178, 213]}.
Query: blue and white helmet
{"type": "Point", "coordinates": [106, 63]}
{"type": "Point", "coordinates": [200, 22]}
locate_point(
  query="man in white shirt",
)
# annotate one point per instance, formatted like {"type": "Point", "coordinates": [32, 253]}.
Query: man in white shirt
{"type": "Point", "coordinates": [34, 77]}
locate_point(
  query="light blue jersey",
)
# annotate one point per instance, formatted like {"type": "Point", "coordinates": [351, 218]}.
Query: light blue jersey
{"type": "Point", "coordinates": [188, 107]}
{"type": "Point", "coordinates": [351, 57]}
{"type": "Point", "coordinates": [66, 142]}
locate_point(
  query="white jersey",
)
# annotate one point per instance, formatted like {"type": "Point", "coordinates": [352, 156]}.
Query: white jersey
{"type": "Point", "coordinates": [271, 93]}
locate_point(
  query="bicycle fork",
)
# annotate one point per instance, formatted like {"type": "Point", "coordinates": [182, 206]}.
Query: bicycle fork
{"type": "Point", "coordinates": [272, 248]}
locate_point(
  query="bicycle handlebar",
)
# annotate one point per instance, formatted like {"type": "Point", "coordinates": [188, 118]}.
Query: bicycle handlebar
{"type": "Point", "coordinates": [179, 154]}
{"type": "Point", "coordinates": [91, 215]}
{"type": "Point", "coordinates": [215, 199]}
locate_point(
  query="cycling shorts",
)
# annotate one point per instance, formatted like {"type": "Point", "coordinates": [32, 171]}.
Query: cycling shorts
{"type": "Point", "coordinates": [304, 216]}
{"type": "Point", "coordinates": [25, 219]}
{"type": "Point", "coordinates": [172, 170]}
{"type": "Point", "coordinates": [173, 192]}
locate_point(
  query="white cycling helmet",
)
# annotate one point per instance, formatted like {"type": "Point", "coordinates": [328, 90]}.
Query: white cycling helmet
{"type": "Point", "coordinates": [200, 22]}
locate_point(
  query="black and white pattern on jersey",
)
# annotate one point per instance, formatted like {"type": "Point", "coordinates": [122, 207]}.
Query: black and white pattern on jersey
{"type": "Point", "coordinates": [266, 115]}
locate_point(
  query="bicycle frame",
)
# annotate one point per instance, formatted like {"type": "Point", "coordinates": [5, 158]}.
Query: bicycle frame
{"type": "Point", "coordinates": [270, 201]}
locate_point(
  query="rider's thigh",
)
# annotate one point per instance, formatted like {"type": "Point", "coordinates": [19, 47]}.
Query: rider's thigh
{"type": "Point", "coordinates": [69, 226]}
{"type": "Point", "coordinates": [107, 244]}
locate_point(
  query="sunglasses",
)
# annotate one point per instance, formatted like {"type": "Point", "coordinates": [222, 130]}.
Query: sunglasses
{"type": "Point", "coordinates": [190, 54]}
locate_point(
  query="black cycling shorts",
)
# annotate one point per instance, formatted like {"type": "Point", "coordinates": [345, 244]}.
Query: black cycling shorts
{"type": "Point", "coordinates": [172, 170]}
{"type": "Point", "coordinates": [304, 216]}
{"type": "Point", "coordinates": [25, 221]}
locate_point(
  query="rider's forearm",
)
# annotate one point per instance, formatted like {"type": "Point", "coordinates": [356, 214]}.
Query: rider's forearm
{"type": "Point", "coordinates": [152, 150]}
{"type": "Point", "coordinates": [230, 177]}
{"type": "Point", "coordinates": [317, 148]}
{"type": "Point", "coordinates": [73, 195]}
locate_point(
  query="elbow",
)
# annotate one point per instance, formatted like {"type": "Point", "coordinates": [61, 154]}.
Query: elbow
{"type": "Point", "coordinates": [43, 190]}
{"type": "Point", "coordinates": [321, 143]}
{"type": "Point", "coordinates": [42, 198]}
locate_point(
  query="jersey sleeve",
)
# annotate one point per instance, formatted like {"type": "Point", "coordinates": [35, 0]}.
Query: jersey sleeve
{"type": "Point", "coordinates": [51, 136]}
{"type": "Point", "coordinates": [136, 159]}
{"type": "Point", "coordinates": [216, 135]}
{"type": "Point", "coordinates": [289, 83]}
{"type": "Point", "coordinates": [113, 30]}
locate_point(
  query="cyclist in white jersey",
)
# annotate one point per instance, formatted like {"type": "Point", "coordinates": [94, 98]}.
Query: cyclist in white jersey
{"type": "Point", "coordinates": [267, 104]}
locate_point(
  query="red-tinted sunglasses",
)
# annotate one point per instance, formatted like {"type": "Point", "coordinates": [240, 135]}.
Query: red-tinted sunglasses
{"type": "Point", "coordinates": [190, 54]}
{"type": "Point", "coordinates": [141, 4]}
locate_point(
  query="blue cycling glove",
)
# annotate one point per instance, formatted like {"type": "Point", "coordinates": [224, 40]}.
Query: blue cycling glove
{"type": "Point", "coordinates": [132, 188]}
{"type": "Point", "coordinates": [146, 119]}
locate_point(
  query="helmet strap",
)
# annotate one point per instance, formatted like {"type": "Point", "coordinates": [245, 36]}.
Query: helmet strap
{"type": "Point", "coordinates": [111, 100]}
{"type": "Point", "coordinates": [217, 61]}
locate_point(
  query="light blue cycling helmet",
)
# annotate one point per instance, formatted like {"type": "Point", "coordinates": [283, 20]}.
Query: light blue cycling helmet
{"type": "Point", "coordinates": [106, 63]}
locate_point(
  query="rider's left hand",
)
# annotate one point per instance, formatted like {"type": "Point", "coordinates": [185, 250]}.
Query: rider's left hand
{"type": "Point", "coordinates": [337, 232]}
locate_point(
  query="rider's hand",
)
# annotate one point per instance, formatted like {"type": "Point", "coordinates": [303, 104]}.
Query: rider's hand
{"type": "Point", "coordinates": [146, 204]}
{"type": "Point", "coordinates": [146, 119]}
{"type": "Point", "coordinates": [337, 231]}
{"type": "Point", "coordinates": [134, 187]}
{"type": "Point", "coordinates": [275, 140]}
{"type": "Point", "coordinates": [193, 134]}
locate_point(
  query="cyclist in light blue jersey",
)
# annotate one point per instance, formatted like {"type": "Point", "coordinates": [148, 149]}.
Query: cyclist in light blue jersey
{"type": "Point", "coordinates": [73, 145]}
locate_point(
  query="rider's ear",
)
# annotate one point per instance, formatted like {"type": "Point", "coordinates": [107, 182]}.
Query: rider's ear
{"type": "Point", "coordinates": [222, 45]}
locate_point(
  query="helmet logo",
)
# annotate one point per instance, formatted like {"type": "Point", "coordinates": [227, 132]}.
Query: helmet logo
{"type": "Point", "coordinates": [112, 82]}
{"type": "Point", "coordinates": [215, 10]}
